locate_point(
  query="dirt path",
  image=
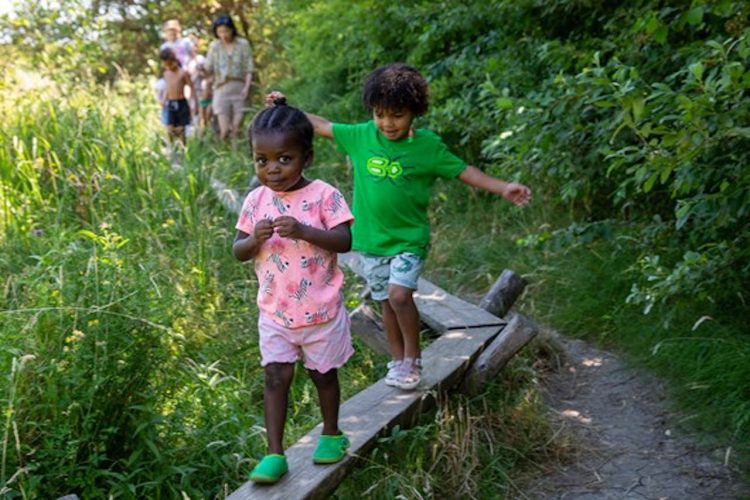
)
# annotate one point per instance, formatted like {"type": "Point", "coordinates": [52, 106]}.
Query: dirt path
{"type": "Point", "coordinates": [619, 422]}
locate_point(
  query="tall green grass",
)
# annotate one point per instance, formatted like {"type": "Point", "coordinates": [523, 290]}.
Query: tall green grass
{"type": "Point", "coordinates": [127, 330]}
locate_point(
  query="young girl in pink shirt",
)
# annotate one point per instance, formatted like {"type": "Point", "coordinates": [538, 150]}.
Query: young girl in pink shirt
{"type": "Point", "coordinates": [293, 227]}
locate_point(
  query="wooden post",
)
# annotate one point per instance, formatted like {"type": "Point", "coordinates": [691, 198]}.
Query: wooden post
{"type": "Point", "coordinates": [517, 333]}
{"type": "Point", "coordinates": [503, 294]}
{"type": "Point", "coordinates": [369, 327]}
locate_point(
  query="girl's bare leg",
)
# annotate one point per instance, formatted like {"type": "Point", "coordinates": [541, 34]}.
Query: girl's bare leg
{"type": "Point", "coordinates": [275, 399]}
{"type": "Point", "coordinates": [329, 395]}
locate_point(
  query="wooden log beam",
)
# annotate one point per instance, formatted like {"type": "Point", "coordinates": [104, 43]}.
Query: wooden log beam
{"type": "Point", "coordinates": [369, 328]}
{"type": "Point", "coordinates": [370, 413]}
{"type": "Point", "coordinates": [503, 294]}
{"type": "Point", "coordinates": [519, 331]}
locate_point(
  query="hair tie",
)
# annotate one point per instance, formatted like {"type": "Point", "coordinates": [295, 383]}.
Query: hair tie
{"type": "Point", "coordinates": [279, 101]}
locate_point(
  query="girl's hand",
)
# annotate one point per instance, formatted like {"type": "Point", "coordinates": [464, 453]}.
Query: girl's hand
{"type": "Point", "coordinates": [518, 194]}
{"type": "Point", "coordinates": [289, 227]}
{"type": "Point", "coordinates": [263, 230]}
{"type": "Point", "coordinates": [273, 96]}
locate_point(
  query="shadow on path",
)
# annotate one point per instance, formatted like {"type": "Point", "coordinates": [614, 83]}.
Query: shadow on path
{"type": "Point", "coordinates": [621, 426]}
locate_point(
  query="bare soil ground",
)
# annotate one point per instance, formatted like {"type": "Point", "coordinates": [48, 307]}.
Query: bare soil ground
{"type": "Point", "coordinates": [625, 436]}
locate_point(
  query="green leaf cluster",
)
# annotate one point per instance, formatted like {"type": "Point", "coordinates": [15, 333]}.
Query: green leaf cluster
{"type": "Point", "coordinates": [630, 111]}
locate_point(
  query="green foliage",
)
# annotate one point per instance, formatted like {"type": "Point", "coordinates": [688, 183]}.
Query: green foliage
{"type": "Point", "coordinates": [83, 41]}
{"type": "Point", "coordinates": [579, 281]}
{"type": "Point", "coordinates": [630, 111]}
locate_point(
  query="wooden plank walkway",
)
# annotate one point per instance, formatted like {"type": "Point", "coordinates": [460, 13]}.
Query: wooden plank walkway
{"type": "Point", "coordinates": [371, 412]}
{"type": "Point", "coordinates": [466, 330]}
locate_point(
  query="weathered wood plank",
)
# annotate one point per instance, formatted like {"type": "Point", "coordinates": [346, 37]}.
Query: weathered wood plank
{"type": "Point", "coordinates": [503, 294]}
{"type": "Point", "coordinates": [371, 412]}
{"type": "Point", "coordinates": [519, 331]}
{"type": "Point", "coordinates": [442, 311]}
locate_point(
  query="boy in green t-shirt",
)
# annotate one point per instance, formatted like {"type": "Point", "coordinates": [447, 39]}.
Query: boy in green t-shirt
{"type": "Point", "coordinates": [394, 168]}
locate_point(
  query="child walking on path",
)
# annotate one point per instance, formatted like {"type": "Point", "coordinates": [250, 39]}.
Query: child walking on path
{"type": "Point", "coordinates": [293, 228]}
{"type": "Point", "coordinates": [178, 109]}
{"type": "Point", "coordinates": [394, 168]}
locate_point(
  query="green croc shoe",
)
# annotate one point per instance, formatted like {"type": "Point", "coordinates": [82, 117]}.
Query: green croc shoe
{"type": "Point", "coordinates": [330, 449]}
{"type": "Point", "coordinates": [270, 469]}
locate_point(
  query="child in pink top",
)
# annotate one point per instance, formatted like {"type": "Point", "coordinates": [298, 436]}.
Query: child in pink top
{"type": "Point", "coordinates": [293, 228]}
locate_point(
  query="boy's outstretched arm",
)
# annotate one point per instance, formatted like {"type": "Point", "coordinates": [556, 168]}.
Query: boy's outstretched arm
{"type": "Point", "coordinates": [515, 193]}
{"type": "Point", "coordinates": [321, 126]}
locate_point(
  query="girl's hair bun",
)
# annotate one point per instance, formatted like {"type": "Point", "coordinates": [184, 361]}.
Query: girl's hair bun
{"type": "Point", "coordinates": [279, 101]}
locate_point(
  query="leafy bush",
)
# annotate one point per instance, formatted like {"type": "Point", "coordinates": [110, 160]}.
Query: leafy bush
{"type": "Point", "coordinates": [634, 111]}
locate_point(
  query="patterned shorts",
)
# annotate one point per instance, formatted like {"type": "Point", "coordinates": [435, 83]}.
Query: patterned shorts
{"type": "Point", "coordinates": [403, 269]}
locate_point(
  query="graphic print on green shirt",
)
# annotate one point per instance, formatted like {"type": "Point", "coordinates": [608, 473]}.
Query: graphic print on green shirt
{"type": "Point", "coordinates": [393, 185]}
{"type": "Point", "coordinates": [383, 167]}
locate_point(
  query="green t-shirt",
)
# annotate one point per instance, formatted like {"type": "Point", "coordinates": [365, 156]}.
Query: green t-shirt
{"type": "Point", "coordinates": [393, 185]}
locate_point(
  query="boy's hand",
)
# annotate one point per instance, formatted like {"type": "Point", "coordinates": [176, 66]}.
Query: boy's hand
{"type": "Point", "coordinates": [263, 230]}
{"type": "Point", "coordinates": [289, 227]}
{"type": "Point", "coordinates": [273, 96]}
{"type": "Point", "coordinates": [518, 194]}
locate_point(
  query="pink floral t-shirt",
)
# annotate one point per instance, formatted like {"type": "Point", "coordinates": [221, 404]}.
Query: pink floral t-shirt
{"type": "Point", "coordinates": [299, 283]}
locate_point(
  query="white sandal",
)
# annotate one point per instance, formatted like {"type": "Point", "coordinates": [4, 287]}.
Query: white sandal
{"type": "Point", "coordinates": [409, 374]}
{"type": "Point", "coordinates": [393, 371]}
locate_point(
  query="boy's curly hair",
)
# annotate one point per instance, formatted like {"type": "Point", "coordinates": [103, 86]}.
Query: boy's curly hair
{"type": "Point", "coordinates": [396, 86]}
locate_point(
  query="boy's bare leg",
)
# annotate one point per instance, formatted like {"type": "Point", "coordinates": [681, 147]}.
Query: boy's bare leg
{"type": "Point", "coordinates": [275, 399]}
{"type": "Point", "coordinates": [329, 395]}
{"type": "Point", "coordinates": [392, 331]}
{"type": "Point", "coordinates": [401, 301]}
{"type": "Point", "coordinates": [179, 134]}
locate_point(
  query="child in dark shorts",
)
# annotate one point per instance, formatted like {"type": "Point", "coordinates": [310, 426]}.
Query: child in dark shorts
{"type": "Point", "coordinates": [178, 109]}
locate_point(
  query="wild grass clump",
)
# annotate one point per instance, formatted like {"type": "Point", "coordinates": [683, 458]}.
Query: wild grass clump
{"type": "Point", "coordinates": [468, 448]}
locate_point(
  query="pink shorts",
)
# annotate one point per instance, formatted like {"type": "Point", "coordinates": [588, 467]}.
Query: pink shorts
{"type": "Point", "coordinates": [324, 346]}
